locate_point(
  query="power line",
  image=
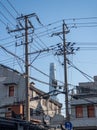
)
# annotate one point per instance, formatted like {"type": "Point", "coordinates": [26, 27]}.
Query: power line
{"type": "Point", "coordinates": [71, 19]}
{"type": "Point", "coordinates": [24, 62]}
{"type": "Point", "coordinates": [81, 18]}
{"type": "Point", "coordinates": [7, 10]}
{"type": "Point", "coordinates": [45, 73]}
{"type": "Point", "coordinates": [73, 25]}
{"type": "Point", "coordinates": [6, 18]}
{"type": "Point", "coordinates": [3, 22]}
{"type": "Point", "coordinates": [13, 7]}
{"type": "Point", "coordinates": [83, 73]}
{"type": "Point", "coordinates": [40, 40]}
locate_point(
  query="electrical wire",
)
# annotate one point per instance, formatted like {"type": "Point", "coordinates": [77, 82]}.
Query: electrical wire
{"type": "Point", "coordinates": [72, 66]}
{"type": "Point", "coordinates": [83, 73]}
{"type": "Point", "coordinates": [6, 18]}
{"type": "Point", "coordinates": [81, 18]}
{"type": "Point", "coordinates": [30, 65]}
{"type": "Point", "coordinates": [40, 40]}
{"type": "Point", "coordinates": [70, 19]}
{"type": "Point", "coordinates": [7, 10]}
{"type": "Point", "coordinates": [13, 7]}
{"type": "Point", "coordinates": [3, 22]}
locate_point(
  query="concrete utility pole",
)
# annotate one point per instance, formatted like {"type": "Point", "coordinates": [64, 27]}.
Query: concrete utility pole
{"type": "Point", "coordinates": [27, 71]}
{"type": "Point", "coordinates": [25, 28]}
{"type": "Point", "coordinates": [65, 72]}
{"type": "Point", "coordinates": [63, 51]}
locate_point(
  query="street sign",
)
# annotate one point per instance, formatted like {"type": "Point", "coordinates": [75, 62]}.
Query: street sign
{"type": "Point", "coordinates": [68, 125]}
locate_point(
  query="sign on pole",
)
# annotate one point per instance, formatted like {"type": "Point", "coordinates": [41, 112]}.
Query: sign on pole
{"type": "Point", "coordinates": [68, 125]}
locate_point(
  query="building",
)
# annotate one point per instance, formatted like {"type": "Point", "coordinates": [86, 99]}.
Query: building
{"type": "Point", "coordinates": [43, 106]}
{"type": "Point", "coordinates": [15, 124]}
{"type": "Point", "coordinates": [12, 98]}
{"type": "Point", "coordinates": [52, 80]}
{"type": "Point", "coordinates": [84, 106]}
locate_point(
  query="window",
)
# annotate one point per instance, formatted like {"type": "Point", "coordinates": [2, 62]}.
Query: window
{"type": "Point", "coordinates": [79, 111]}
{"type": "Point", "coordinates": [31, 112]}
{"type": "Point", "coordinates": [91, 111]}
{"type": "Point", "coordinates": [9, 108]}
{"type": "Point", "coordinates": [85, 90]}
{"type": "Point", "coordinates": [44, 102]}
{"type": "Point", "coordinates": [11, 91]}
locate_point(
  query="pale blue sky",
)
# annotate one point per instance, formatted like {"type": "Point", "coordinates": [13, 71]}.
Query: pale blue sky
{"type": "Point", "coordinates": [52, 12]}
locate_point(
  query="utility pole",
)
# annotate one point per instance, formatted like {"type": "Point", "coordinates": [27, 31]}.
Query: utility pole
{"type": "Point", "coordinates": [63, 51]}
{"type": "Point", "coordinates": [25, 28]}
{"type": "Point", "coordinates": [27, 70]}
{"type": "Point", "coordinates": [65, 72]}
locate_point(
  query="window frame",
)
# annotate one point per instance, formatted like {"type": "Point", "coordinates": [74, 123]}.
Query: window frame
{"type": "Point", "coordinates": [90, 111]}
{"type": "Point", "coordinates": [79, 111]}
{"type": "Point", "coordinates": [11, 90]}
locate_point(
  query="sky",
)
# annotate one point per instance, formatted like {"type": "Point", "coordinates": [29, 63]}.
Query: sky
{"type": "Point", "coordinates": [80, 16]}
